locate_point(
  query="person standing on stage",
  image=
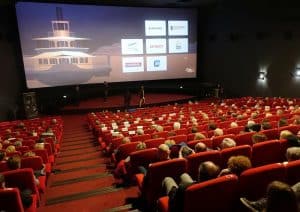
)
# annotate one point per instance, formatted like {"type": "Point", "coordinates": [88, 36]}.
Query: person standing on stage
{"type": "Point", "coordinates": [77, 95]}
{"type": "Point", "coordinates": [127, 99]}
{"type": "Point", "coordinates": [105, 91]}
{"type": "Point", "coordinates": [142, 96]}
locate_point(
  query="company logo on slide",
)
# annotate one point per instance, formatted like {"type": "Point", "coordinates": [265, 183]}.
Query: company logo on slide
{"type": "Point", "coordinates": [132, 64]}
{"type": "Point", "coordinates": [155, 28]}
{"type": "Point", "coordinates": [156, 46]}
{"type": "Point", "coordinates": [178, 28]}
{"type": "Point", "coordinates": [178, 45]}
{"type": "Point", "coordinates": [157, 63]}
{"type": "Point", "coordinates": [132, 46]}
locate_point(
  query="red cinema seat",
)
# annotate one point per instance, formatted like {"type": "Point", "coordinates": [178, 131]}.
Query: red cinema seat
{"type": "Point", "coordinates": [151, 184]}
{"type": "Point", "coordinates": [44, 155]}
{"type": "Point", "coordinates": [206, 141]}
{"type": "Point", "coordinates": [234, 151]}
{"type": "Point", "coordinates": [182, 131]}
{"type": "Point", "coordinates": [216, 141]}
{"type": "Point", "coordinates": [199, 197]}
{"type": "Point", "coordinates": [244, 139]}
{"type": "Point", "coordinates": [123, 151]}
{"type": "Point", "coordinates": [293, 128]}
{"type": "Point", "coordinates": [194, 160]}
{"type": "Point", "coordinates": [22, 179]}
{"type": "Point", "coordinates": [154, 142]}
{"type": "Point", "coordinates": [3, 166]}
{"type": "Point", "coordinates": [292, 169]}
{"type": "Point", "coordinates": [253, 182]}
{"type": "Point", "coordinates": [163, 134]}
{"type": "Point", "coordinates": [10, 200]}
{"type": "Point", "coordinates": [178, 138]}
{"type": "Point", "coordinates": [271, 133]}
{"type": "Point", "coordinates": [234, 130]}
{"type": "Point", "coordinates": [140, 137]}
{"type": "Point", "coordinates": [266, 152]}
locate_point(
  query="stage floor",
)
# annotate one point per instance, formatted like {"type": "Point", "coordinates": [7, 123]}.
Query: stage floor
{"type": "Point", "coordinates": [117, 102]}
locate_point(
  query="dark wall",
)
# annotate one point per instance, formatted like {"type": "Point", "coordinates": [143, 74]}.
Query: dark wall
{"type": "Point", "coordinates": [239, 40]}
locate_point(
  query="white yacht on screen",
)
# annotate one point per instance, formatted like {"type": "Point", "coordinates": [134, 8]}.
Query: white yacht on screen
{"type": "Point", "coordinates": [61, 58]}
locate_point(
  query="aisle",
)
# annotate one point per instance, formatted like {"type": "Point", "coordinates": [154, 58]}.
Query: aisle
{"type": "Point", "coordinates": [81, 181]}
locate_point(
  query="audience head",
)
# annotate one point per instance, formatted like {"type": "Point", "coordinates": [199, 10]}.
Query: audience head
{"type": "Point", "coordinates": [284, 134]}
{"type": "Point", "coordinates": [266, 125]}
{"type": "Point", "coordinates": [14, 162]}
{"type": "Point", "coordinates": [259, 137]}
{"type": "Point", "coordinates": [212, 126]}
{"type": "Point", "coordinates": [200, 147]}
{"type": "Point", "coordinates": [194, 129]}
{"type": "Point", "coordinates": [280, 198]}
{"type": "Point", "coordinates": [18, 143]}
{"type": "Point", "coordinates": [140, 131]}
{"type": "Point", "coordinates": [185, 151]}
{"type": "Point", "coordinates": [1, 146]}
{"type": "Point", "coordinates": [293, 153]}
{"type": "Point", "coordinates": [141, 146]}
{"type": "Point", "coordinates": [159, 128]}
{"type": "Point", "coordinates": [170, 142]}
{"type": "Point", "coordinates": [207, 171]}
{"type": "Point", "coordinates": [227, 143]}
{"type": "Point", "coordinates": [238, 164]}
{"type": "Point", "coordinates": [176, 125]}
{"type": "Point", "coordinates": [255, 128]}
{"type": "Point", "coordinates": [199, 136]}
{"type": "Point", "coordinates": [282, 122]}
{"type": "Point", "coordinates": [125, 140]}
{"type": "Point", "coordinates": [292, 140]}
{"type": "Point", "coordinates": [233, 124]}
{"type": "Point", "coordinates": [39, 146]}
{"type": "Point", "coordinates": [29, 154]}
{"type": "Point", "coordinates": [218, 132]}
{"type": "Point", "coordinates": [163, 152]}
{"type": "Point", "coordinates": [10, 149]}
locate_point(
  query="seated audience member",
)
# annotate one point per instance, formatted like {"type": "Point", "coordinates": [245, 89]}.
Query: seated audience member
{"type": "Point", "coordinates": [293, 153]}
{"type": "Point", "coordinates": [298, 134]}
{"type": "Point", "coordinates": [218, 132]}
{"type": "Point", "coordinates": [140, 131]}
{"type": "Point", "coordinates": [280, 197]}
{"type": "Point", "coordinates": [25, 194]}
{"type": "Point", "coordinates": [185, 151]}
{"type": "Point", "coordinates": [259, 137]}
{"type": "Point", "coordinates": [14, 162]}
{"type": "Point", "coordinates": [29, 154]}
{"type": "Point", "coordinates": [265, 125]}
{"type": "Point", "coordinates": [284, 134]}
{"type": "Point", "coordinates": [200, 147]}
{"type": "Point", "coordinates": [227, 143]}
{"type": "Point", "coordinates": [233, 124]}
{"type": "Point", "coordinates": [282, 122]}
{"type": "Point", "coordinates": [212, 126]}
{"type": "Point", "coordinates": [18, 143]}
{"type": "Point", "coordinates": [292, 140]}
{"type": "Point", "coordinates": [255, 128]}
{"type": "Point", "coordinates": [159, 128]}
{"type": "Point", "coordinates": [207, 170]}
{"type": "Point", "coordinates": [176, 125]}
{"type": "Point", "coordinates": [169, 142]}
{"type": "Point", "coordinates": [236, 165]}
{"type": "Point", "coordinates": [194, 129]}
{"type": "Point", "coordinates": [199, 136]}
{"type": "Point", "coordinates": [10, 149]}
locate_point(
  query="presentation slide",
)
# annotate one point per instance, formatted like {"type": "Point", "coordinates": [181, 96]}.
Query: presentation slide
{"type": "Point", "coordinates": [71, 44]}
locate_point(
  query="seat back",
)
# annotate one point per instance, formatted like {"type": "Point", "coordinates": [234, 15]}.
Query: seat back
{"type": "Point", "coordinates": [206, 141]}
{"type": "Point", "coordinates": [125, 149]}
{"type": "Point", "coordinates": [10, 200]}
{"type": "Point", "coordinates": [3, 166]}
{"type": "Point", "coordinates": [253, 182]}
{"type": "Point", "coordinates": [292, 170]}
{"type": "Point", "coordinates": [234, 130]}
{"type": "Point", "coordinates": [142, 158]}
{"type": "Point", "coordinates": [194, 160]}
{"type": "Point", "coordinates": [271, 133]}
{"type": "Point", "coordinates": [42, 153]}
{"type": "Point", "coordinates": [234, 151]}
{"type": "Point", "coordinates": [266, 152]}
{"type": "Point", "coordinates": [222, 190]}
{"type": "Point", "coordinates": [140, 137]}
{"type": "Point", "coordinates": [35, 162]}
{"type": "Point", "coordinates": [244, 139]}
{"type": "Point", "coordinates": [293, 128]}
{"type": "Point", "coordinates": [216, 141]}
{"type": "Point", "coordinates": [178, 138]}
{"type": "Point", "coordinates": [154, 142]}
{"type": "Point", "coordinates": [21, 178]}
{"type": "Point", "coordinates": [152, 188]}
{"type": "Point", "coordinates": [163, 134]}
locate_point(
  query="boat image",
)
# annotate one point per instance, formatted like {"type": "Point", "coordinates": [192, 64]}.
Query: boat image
{"type": "Point", "coordinates": [61, 58]}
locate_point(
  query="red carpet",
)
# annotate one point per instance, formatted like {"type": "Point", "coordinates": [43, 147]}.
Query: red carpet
{"type": "Point", "coordinates": [81, 182]}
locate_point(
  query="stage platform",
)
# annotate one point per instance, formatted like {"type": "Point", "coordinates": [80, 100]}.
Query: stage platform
{"type": "Point", "coordinates": [117, 102]}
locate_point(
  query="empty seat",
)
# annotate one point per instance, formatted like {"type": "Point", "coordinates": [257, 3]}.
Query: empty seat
{"type": "Point", "coordinates": [253, 182]}
{"type": "Point", "coordinates": [271, 133]}
{"type": "Point", "coordinates": [178, 138]}
{"type": "Point", "coordinates": [244, 139]}
{"type": "Point", "coordinates": [154, 142]}
{"type": "Point", "coordinates": [234, 130]}
{"type": "Point", "coordinates": [140, 137]}
{"type": "Point", "coordinates": [266, 152]}
{"type": "Point", "coordinates": [163, 134]}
